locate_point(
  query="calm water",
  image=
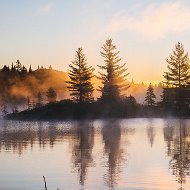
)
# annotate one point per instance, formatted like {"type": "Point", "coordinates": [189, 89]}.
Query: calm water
{"type": "Point", "coordinates": [131, 154]}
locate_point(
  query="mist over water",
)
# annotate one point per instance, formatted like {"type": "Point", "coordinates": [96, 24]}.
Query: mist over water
{"type": "Point", "coordinates": [132, 154]}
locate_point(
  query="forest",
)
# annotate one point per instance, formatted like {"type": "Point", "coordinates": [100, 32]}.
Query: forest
{"type": "Point", "coordinates": [80, 93]}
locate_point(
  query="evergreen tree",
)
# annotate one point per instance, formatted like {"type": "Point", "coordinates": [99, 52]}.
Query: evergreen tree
{"type": "Point", "coordinates": [150, 96]}
{"type": "Point", "coordinates": [114, 75]}
{"type": "Point", "coordinates": [30, 69]}
{"type": "Point", "coordinates": [80, 74]}
{"type": "Point", "coordinates": [29, 103]}
{"type": "Point", "coordinates": [51, 95]}
{"type": "Point", "coordinates": [5, 69]}
{"type": "Point", "coordinates": [12, 67]}
{"type": "Point", "coordinates": [18, 66]}
{"type": "Point", "coordinates": [178, 74]}
{"type": "Point", "coordinates": [130, 100]}
{"type": "Point", "coordinates": [177, 80]}
{"type": "Point", "coordinates": [23, 71]}
{"type": "Point", "coordinates": [39, 99]}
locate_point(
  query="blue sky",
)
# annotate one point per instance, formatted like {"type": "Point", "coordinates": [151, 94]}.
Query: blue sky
{"type": "Point", "coordinates": [48, 32]}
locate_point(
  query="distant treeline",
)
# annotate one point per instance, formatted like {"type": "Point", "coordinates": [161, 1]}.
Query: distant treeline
{"type": "Point", "coordinates": [113, 101]}
{"type": "Point", "coordinates": [20, 90]}
{"type": "Point", "coordinates": [27, 88]}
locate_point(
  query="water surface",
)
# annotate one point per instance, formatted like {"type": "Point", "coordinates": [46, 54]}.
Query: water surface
{"type": "Point", "coordinates": [130, 154]}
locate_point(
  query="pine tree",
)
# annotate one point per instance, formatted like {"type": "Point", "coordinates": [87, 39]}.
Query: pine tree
{"type": "Point", "coordinates": [80, 74]}
{"type": "Point", "coordinates": [177, 80]}
{"type": "Point", "coordinates": [5, 69]}
{"type": "Point", "coordinates": [51, 95]}
{"type": "Point", "coordinates": [178, 74]}
{"type": "Point", "coordinates": [150, 96]}
{"type": "Point", "coordinates": [39, 99]}
{"type": "Point", "coordinates": [12, 67]}
{"type": "Point", "coordinates": [18, 66]}
{"type": "Point", "coordinates": [23, 71]}
{"type": "Point", "coordinates": [30, 69]}
{"type": "Point", "coordinates": [114, 75]}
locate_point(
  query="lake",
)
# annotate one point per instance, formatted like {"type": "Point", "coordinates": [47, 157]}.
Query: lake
{"type": "Point", "coordinates": [127, 154]}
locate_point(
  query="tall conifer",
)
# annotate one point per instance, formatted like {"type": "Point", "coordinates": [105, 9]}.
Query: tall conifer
{"type": "Point", "coordinates": [178, 74]}
{"type": "Point", "coordinates": [150, 96]}
{"type": "Point", "coordinates": [80, 74]}
{"type": "Point", "coordinates": [114, 75]}
{"type": "Point", "coordinates": [177, 80]}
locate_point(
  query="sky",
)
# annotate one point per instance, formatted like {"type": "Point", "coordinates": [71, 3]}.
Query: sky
{"type": "Point", "coordinates": [48, 32]}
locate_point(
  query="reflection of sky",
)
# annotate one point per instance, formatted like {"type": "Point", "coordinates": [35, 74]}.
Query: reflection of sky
{"type": "Point", "coordinates": [40, 32]}
{"type": "Point", "coordinates": [140, 165]}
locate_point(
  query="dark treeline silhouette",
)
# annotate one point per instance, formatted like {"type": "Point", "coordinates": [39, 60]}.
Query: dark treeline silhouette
{"type": "Point", "coordinates": [113, 100]}
{"type": "Point", "coordinates": [29, 88]}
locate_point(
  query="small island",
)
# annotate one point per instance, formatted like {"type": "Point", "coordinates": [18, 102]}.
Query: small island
{"type": "Point", "coordinates": [113, 101]}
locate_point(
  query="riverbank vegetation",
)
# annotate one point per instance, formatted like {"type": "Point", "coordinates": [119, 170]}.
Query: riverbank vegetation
{"type": "Point", "coordinates": [113, 100]}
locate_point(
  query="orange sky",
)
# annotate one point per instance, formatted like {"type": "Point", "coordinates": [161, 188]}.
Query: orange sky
{"type": "Point", "coordinates": [49, 32]}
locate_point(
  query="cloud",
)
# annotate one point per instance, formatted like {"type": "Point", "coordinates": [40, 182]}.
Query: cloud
{"type": "Point", "coordinates": [155, 21]}
{"type": "Point", "coordinates": [44, 9]}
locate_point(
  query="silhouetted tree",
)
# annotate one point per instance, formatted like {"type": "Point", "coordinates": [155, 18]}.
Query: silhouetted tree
{"type": "Point", "coordinates": [39, 99]}
{"type": "Point", "coordinates": [5, 69]}
{"type": "Point", "coordinates": [150, 96]}
{"type": "Point", "coordinates": [13, 69]}
{"type": "Point", "coordinates": [23, 71]}
{"type": "Point", "coordinates": [51, 95]}
{"type": "Point", "coordinates": [177, 80]}
{"type": "Point", "coordinates": [114, 77]}
{"type": "Point", "coordinates": [33, 103]}
{"type": "Point", "coordinates": [12, 66]}
{"type": "Point", "coordinates": [80, 75]}
{"type": "Point", "coordinates": [130, 100]}
{"type": "Point", "coordinates": [178, 74]}
{"type": "Point", "coordinates": [18, 66]}
{"type": "Point", "coordinates": [30, 69]}
{"type": "Point", "coordinates": [29, 103]}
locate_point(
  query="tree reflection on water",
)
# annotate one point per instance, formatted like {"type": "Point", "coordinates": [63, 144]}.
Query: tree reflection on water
{"type": "Point", "coordinates": [110, 140]}
{"type": "Point", "coordinates": [151, 132]}
{"type": "Point", "coordinates": [177, 136]}
{"type": "Point", "coordinates": [82, 145]}
{"type": "Point", "coordinates": [80, 135]}
{"type": "Point", "coordinates": [115, 151]}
